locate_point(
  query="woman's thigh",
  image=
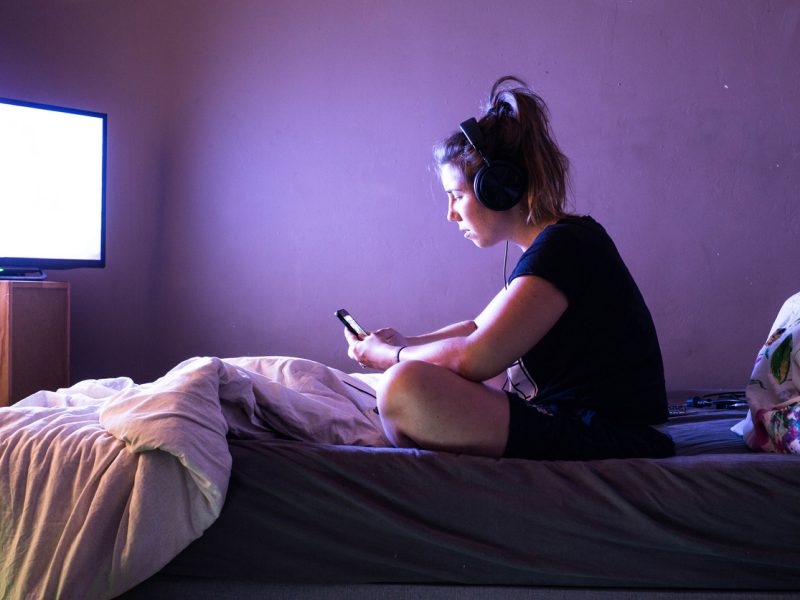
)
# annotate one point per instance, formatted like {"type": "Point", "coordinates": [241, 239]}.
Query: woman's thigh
{"type": "Point", "coordinates": [431, 407]}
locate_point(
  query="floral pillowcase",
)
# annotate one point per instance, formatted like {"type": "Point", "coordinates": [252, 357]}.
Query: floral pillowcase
{"type": "Point", "coordinates": [773, 393]}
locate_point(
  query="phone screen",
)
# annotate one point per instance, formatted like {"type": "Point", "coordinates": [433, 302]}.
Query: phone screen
{"type": "Point", "coordinates": [351, 324]}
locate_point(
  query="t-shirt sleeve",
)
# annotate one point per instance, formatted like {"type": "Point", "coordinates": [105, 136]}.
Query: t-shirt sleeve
{"type": "Point", "coordinates": [557, 255]}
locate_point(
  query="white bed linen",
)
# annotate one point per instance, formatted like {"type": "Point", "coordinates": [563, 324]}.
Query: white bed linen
{"type": "Point", "coordinates": [103, 483]}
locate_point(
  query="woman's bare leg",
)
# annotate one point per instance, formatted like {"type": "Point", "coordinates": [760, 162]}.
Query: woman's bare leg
{"type": "Point", "coordinates": [423, 405]}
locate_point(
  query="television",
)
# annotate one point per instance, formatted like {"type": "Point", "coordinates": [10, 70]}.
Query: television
{"type": "Point", "coordinates": [52, 188]}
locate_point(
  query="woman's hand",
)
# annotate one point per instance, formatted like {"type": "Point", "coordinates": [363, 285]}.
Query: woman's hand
{"type": "Point", "coordinates": [378, 350]}
{"type": "Point", "coordinates": [392, 337]}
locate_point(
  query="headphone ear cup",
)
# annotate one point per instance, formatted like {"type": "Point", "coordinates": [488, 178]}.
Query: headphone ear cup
{"type": "Point", "coordinates": [499, 186]}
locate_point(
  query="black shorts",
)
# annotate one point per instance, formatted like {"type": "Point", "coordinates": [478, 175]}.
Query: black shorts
{"type": "Point", "coordinates": [547, 432]}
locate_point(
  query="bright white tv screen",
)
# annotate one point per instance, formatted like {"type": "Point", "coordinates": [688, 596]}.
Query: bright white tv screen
{"type": "Point", "coordinates": [52, 186]}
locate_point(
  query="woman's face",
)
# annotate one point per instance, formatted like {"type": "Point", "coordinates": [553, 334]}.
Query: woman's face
{"type": "Point", "coordinates": [483, 227]}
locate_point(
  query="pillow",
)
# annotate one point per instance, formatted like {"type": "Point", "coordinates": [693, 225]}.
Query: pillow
{"type": "Point", "coordinates": [773, 392]}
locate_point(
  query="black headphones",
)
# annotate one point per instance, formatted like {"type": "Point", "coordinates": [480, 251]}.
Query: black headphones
{"type": "Point", "coordinates": [499, 185]}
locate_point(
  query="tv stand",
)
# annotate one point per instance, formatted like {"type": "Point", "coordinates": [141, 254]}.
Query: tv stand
{"type": "Point", "coordinates": [22, 274]}
{"type": "Point", "coordinates": [34, 338]}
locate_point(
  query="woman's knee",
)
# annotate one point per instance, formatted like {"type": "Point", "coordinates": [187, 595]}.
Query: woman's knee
{"type": "Point", "coordinates": [400, 387]}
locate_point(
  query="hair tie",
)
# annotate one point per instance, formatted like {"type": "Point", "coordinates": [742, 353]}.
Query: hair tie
{"type": "Point", "coordinates": [501, 109]}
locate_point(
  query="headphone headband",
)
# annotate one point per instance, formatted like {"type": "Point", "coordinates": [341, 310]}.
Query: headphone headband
{"type": "Point", "coordinates": [472, 131]}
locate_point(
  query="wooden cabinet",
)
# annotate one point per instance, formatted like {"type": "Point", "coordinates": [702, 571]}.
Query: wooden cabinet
{"type": "Point", "coordinates": [34, 338]}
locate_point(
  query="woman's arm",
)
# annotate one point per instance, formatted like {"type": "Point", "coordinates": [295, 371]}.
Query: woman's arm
{"type": "Point", "coordinates": [380, 349]}
{"type": "Point", "coordinates": [513, 322]}
{"type": "Point", "coordinates": [397, 340]}
{"type": "Point", "coordinates": [462, 329]}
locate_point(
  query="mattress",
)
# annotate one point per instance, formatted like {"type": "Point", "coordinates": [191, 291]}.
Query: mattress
{"type": "Point", "coordinates": [716, 516]}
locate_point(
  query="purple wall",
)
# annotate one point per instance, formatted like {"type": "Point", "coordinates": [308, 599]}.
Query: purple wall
{"type": "Point", "coordinates": [270, 162]}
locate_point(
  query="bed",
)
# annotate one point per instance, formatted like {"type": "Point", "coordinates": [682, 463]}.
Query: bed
{"type": "Point", "coordinates": [715, 517]}
{"type": "Point", "coordinates": [270, 477]}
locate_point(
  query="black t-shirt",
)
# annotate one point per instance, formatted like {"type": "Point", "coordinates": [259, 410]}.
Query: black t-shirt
{"type": "Point", "coordinates": [603, 352]}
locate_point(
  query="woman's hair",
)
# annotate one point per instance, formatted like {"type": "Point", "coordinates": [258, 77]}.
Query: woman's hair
{"type": "Point", "coordinates": [516, 129]}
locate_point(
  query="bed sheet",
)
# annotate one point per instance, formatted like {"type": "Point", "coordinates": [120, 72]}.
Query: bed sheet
{"type": "Point", "coordinates": [717, 516]}
{"type": "Point", "coordinates": [104, 482]}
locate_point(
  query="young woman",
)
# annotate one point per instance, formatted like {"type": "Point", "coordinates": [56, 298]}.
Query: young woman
{"type": "Point", "coordinates": [571, 327]}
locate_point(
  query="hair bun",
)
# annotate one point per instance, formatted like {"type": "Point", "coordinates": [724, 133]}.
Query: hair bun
{"type": "Point", "coordinates": [503, 101]}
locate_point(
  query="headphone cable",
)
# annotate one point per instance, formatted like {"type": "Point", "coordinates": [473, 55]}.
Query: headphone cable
{"type": "Point", "coordinates": [505, 266]}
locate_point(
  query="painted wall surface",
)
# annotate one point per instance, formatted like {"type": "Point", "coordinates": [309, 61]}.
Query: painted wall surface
{"type": "Point", "coordinates": [270, 162]}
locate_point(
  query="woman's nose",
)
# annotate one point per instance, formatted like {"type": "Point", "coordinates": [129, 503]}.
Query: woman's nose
{"type": "Point", "coordinates": [452, 215]}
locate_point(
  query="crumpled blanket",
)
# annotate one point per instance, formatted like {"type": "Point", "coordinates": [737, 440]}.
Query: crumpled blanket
{"type": "Point", "coordinates": [103, 483]}
{"type": "Point", "coordinates": [773, 392]}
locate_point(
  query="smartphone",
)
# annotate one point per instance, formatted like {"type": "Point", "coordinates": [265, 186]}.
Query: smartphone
{"type": "Point", "coordinates": [351, 324]}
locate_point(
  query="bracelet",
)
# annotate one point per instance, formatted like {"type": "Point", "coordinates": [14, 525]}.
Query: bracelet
{"type": "Point", "coordinates": [399, 350]}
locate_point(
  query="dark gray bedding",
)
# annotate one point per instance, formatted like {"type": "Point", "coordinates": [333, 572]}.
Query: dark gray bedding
{"type": "Point", "coordinates": [717, 516]}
